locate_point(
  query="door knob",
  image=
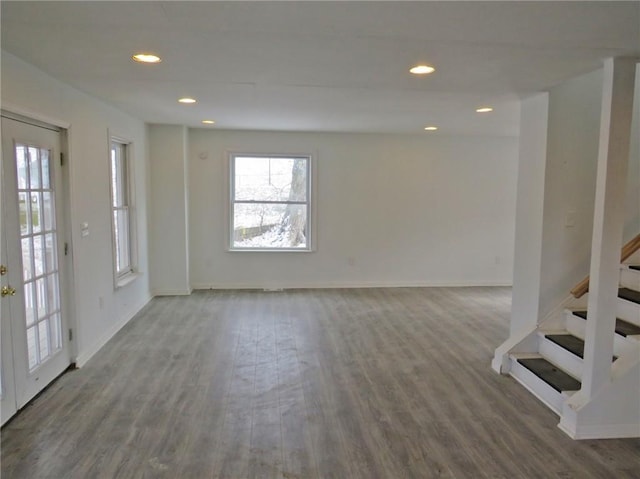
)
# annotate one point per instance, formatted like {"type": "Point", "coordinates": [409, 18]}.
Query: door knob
{"type": "Point", "coordinates": [3, 270]}
{"type": "Point", "coordinates": [7, 291]}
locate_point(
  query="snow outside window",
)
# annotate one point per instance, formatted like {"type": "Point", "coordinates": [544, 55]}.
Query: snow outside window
{"type": "Point", "coordinates": [270, 202]}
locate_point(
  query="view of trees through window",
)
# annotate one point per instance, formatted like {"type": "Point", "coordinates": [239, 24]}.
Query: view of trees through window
{"type": "Point", "coordinates": [270, 202]}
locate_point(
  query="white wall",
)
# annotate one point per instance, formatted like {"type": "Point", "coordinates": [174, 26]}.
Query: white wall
{"type": "Point", "coordinates": [99, 309]}
{"type": "Point", "coordinates": [169, 214]}
{"type": "Point", "coordinates": [391, 210]}
{"type": "Point", "coordinates": [632, 223]}
{"type": "Point", "coordinates": [569, 186]}
{"type": "Point", "coordinates": [534, 113]}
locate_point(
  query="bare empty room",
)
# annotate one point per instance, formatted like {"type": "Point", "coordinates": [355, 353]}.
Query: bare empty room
{"type": "Point", "coordinates": [320, 239]}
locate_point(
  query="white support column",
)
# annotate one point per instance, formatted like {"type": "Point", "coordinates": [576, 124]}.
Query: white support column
{"type": "Point", "coordinates": [525, 304]}
{"type": "Point", "coordinates": [608, 224]}
{"type": "Point", "coordinates": [169, 210]}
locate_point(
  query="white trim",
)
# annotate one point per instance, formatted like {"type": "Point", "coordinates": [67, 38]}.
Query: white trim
{"type": "Point", "coordinates": [88, 353]}
{"type": "Point", "coordinates": [123, 279]}
{"type": "Point", "coordinates": [351, 284]}
{"type": "Point", "coordinates": [128, 278]}
{"type": "Point", "coordinates": [172, 292]}
{"type": "Point", "coordinates": [32, 114]}
{"type": "Point", "coordinates": [310, 202]}
{"type": "Point", "coordinates": [612, 431]}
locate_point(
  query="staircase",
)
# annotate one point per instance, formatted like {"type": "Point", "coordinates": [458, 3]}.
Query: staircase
{"type": "Point", "coordinates": [549, 360]}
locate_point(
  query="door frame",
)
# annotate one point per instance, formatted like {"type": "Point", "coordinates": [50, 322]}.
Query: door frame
{"type": "Point", "coordinates": [67, 283]}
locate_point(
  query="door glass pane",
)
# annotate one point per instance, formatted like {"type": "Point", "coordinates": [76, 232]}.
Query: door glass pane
{"type": "Point", "coordinates": [47, 211]}
{"type": "Point", "coordinates": [46, 175]}
{"type": "Point", "coordinates": [25, 213]}
{"type": "Point", "coordinates": [27, 269]}
{"type": "Point", "coordinates": [36, 212]}
{"type": "Point", "coordinates": [43, 334]}
{"type": "Point", "coordinates": [32, 347]}
{"type": "Point", "coordinates": [34, 168]}
{"type": "Point", "coordinates": [29, 303]}
{"type": "Point", "coordinates": [51, 253]}
{"type": "Point", "coordinates": [56, 332]}
{"type": "Point", "coordinates": [41, 295]}
{"type": "Point", "coordinates": [52, 292]}
{"type": "Point", "coordinates": [38, 254]}
{"type": "Point", "coordinates": [21, 166]}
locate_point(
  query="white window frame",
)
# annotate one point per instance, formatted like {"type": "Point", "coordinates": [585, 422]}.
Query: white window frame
{"type": "Point", "coordinates": [124, 276]}
{"type": "Point", "coordinates": [310, 203]}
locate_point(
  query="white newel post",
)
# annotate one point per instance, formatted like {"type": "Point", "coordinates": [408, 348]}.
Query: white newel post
{"type": "Point", "coordinates": [608, 224]}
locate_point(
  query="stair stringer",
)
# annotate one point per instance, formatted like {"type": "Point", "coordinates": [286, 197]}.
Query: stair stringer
{"type": "Point", "coordinates": [613, 411]}
{"type": "Point", "coordinates": [525, 341]}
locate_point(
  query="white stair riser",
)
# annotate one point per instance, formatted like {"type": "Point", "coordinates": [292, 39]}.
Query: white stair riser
{"type": "Point", "coordinates": [552, 398]}
{"type": "Point", "coordinates": [556, 354]}
{"type": "Point", "coordinates": [577, 327]}
{"type": "Point", "coordinates": [630, 278]}
{"type": "Point", "coordinates": [629, 311]}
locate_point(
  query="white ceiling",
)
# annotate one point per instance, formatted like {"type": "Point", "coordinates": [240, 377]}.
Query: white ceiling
{"type": "Point", "coordinates": [321, 66]}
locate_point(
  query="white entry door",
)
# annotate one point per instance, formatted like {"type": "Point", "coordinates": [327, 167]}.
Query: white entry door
{"type": "Point", "coordinates": [34, 348]}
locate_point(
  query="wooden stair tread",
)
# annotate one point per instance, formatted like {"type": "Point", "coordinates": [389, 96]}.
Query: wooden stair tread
{"type": "Point", "coordinates": [550, 374]}
{"type": "Point", "coordinates": [629, 295]}
{"type": "Point", "coordinates": [623, 328]}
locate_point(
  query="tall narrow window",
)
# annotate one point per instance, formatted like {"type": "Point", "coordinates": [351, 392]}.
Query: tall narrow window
{"type": "Point", "coordinates": [121, 210]}
{"type": "Point", "coordinates": [270, 202]}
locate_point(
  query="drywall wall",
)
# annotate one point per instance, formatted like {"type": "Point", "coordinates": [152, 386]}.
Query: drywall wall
{"type": "Point", "coordinates": [529, 213]}
{"type": "Point", "coordinates": [99, 310]}
{"type": "Point", "coordinates": [391, 210]}
{"type": "Point", "coordinates": [632, 223]}
{"type": "Point", "coordinates": [169, 215]}
{"type": "Point", "coordinates": [569, 188]}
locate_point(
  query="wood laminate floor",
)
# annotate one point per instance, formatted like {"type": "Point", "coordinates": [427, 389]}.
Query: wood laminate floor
{"type": "Point", "coordinates": [367, 383]}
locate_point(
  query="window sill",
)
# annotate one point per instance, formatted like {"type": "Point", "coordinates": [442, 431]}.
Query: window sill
{"type": "Point", "coordinates": [129, 278]}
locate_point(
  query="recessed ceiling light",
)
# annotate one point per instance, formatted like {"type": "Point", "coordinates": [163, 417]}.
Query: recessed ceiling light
{"type": "Point", "coordinates": [208, 122]}
{"type": "Point", "coordinates": [146, 58]}
{"type": "Point", "coordinates": [484, 109]}
{"type": "Point", "coordinates": [422, 70]}
{"type": "Point", "coordinates": [431, 128]}
{"type": "Point", "coordinates": [187, 100]}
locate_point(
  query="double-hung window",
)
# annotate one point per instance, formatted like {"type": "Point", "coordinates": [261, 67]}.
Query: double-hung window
{"type": "Point", "coordinates": [270, 202]}
{"type": "Point", "coordinates": [121, 214]}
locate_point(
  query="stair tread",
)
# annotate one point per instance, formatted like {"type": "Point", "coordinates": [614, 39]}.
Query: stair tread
{"type": "Point", "coordinates": [629, 294]}
{"type": "Point", "coordinates": [570, 342]}
{"type": "Point", "coordinates": [623, 328]}
{"type": "Point", "coordinates": [550, 374]}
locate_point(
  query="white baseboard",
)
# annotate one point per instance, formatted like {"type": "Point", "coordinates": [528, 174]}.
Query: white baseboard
{"type": "Point", "coordinates": [83, 357]}
{"type": "Point", "coordinates": [611, 431]}
{"type": "Point", "coordinates": [172, 292]}
{"type": "Point", "coordinates": [351, 284]}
